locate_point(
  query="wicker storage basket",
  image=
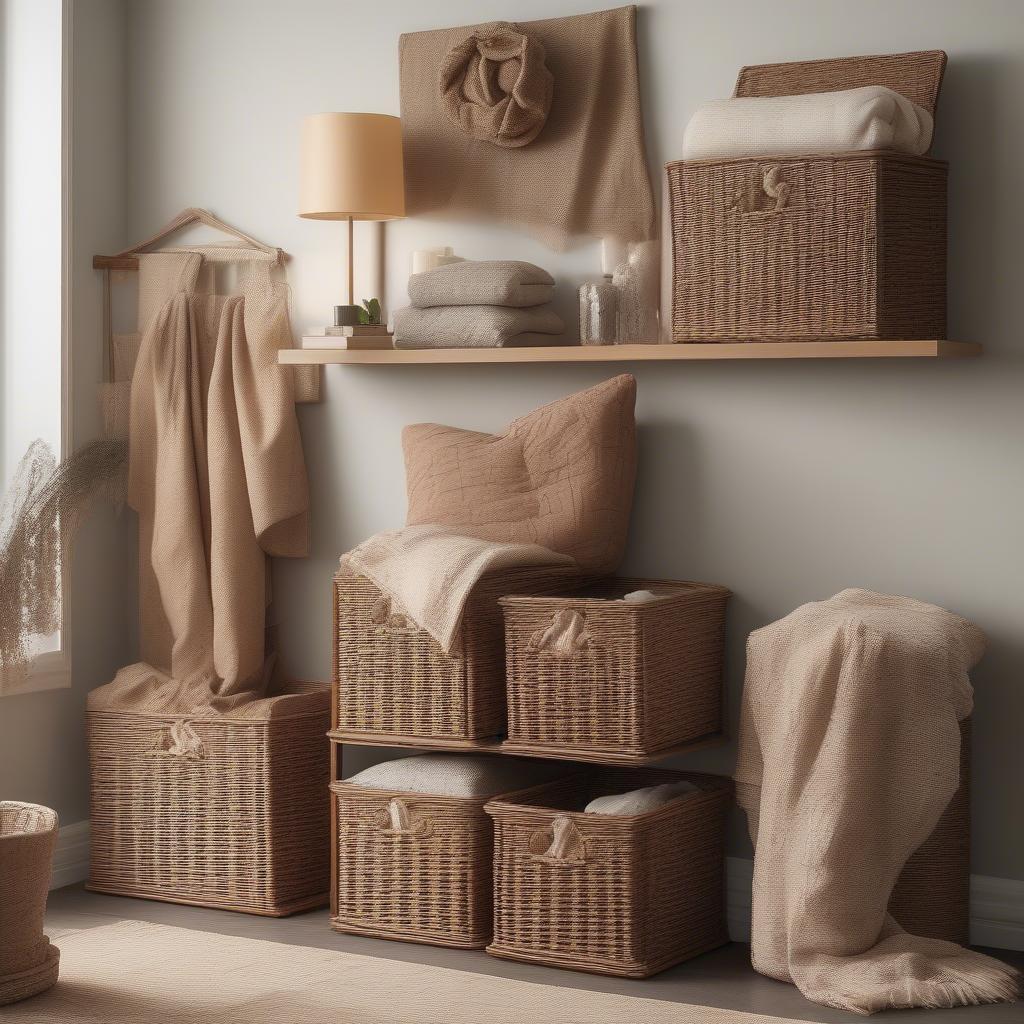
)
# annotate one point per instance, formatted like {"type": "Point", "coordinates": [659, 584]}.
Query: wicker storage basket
{"type": "Point", "coordinates": [835, 246]}
{"type": "Point", "coordinates": [242, 824]}
{"type": "Point", "coordinates": [395, 681]}
{"type": "Point", "coordinates": [28, 963]}
{"type": "Point", "coordinates": [932, 894]}
{"type": "Point", "coordinates": [630, 896]}
{"type": "Point", "coordinates": [412, 866]}
{"type": "Point", "coordinates": [631, 681]}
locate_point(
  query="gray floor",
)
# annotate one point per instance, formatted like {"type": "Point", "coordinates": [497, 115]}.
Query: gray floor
{"type": "Point", "coordinates": [722, 978]}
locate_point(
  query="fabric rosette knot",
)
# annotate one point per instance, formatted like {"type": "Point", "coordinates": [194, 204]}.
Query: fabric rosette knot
{"type": "Point", "coordinates": [496, 86]}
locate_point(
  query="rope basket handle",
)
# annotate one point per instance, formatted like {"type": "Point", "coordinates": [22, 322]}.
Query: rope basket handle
{"type": "Point", "coordinates": [383, 615]}
{"type": "Point", "coordinates": [567, 635]}
{"type": "Point", "coordinates": [178, 740]}
{"type": "Point", "coordinates": [561, 844]}
{"type": "Point", "coordinates": [773, 187]}
{"type": "Point", "coordinates": [397, 819]}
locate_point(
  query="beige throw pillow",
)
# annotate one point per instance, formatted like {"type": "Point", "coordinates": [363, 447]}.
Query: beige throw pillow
{"type": "Point", "coordinates": [561, 476]}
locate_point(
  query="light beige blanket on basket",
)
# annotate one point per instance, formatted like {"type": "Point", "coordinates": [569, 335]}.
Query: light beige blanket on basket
{"type": "Point", "coordinates": [848, 754]}
{"type": "Point", "coordinates": [428, 572]}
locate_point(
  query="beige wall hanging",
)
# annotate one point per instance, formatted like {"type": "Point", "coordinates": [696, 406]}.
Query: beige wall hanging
{"type": "Point", "coordinates": [536, 124]}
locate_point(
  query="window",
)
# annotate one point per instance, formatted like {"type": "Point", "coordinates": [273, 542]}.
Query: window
{"type": "Point", "coordinates": [34, 370]}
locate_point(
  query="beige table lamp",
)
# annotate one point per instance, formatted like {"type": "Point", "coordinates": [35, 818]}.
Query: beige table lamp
{"type": "Point", "coordinates": [351, 170]}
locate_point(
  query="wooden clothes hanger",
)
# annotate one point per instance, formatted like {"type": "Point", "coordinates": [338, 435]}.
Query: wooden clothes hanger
{"type": "Point", "coordinates": [127, 259]}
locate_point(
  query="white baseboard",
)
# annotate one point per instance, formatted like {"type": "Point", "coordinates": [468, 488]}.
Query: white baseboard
{"type": "Point", "coordinates": [71, 857]}
{"type": "Point", "coordinates": [997, 907]}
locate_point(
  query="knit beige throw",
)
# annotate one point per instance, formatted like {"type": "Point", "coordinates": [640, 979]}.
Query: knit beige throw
{"type": "Point", "coordinates": [584, 172]}
{"type": "Point", "coordinates": [848, 754]}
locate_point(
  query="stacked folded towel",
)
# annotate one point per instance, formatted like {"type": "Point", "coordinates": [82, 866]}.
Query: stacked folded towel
{"type": "Point", "coordinates": [640, 801]}
{"type": "Point", "coordinates": [465, 775]}
{"type": "Point", "coordinates": [872, 117]}
{"type": "Point", "coordinates": [478, 304]}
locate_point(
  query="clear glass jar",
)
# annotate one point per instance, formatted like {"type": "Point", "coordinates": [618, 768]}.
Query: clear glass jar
{"type": "Point", "coordinates": [599, 312]}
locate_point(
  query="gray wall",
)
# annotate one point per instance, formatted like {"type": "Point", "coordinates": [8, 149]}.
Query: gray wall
{"type": "Point", "coordinates": [42, 737]}
{"type": "Point", "coordinates": [785, 481]}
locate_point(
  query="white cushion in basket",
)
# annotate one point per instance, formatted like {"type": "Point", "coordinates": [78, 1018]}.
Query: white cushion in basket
{"type": "Point", "coordinates": [639, 801]}
{"type": "Point", "coordinates": [453, 775]}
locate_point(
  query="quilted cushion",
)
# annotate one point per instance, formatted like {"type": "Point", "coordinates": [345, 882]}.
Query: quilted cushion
{"type": "Point", "coordinates": [561, 476]}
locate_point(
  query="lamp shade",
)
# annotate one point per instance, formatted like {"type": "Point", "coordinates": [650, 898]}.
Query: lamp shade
{"type": "Point", "coordinates": [352, 167]}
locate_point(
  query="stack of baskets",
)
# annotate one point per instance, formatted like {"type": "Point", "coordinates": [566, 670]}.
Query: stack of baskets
{"type": "Point", "coordinates": [820, 247]}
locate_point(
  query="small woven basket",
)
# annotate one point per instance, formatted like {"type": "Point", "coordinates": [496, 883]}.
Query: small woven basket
{"type": "Point", "coordinates": [587, 670]}
{"type": "Point", "coordinates": [831, 246]}
{"type": "Point", "coordinates": [28, 963]}
{"type": "Point", "coordinates": [413, 867]}
{"type": "Point", "coordinates": [610, 894]}
{"type": "Point", "coordinates": [239, 823]}
{"type": "Point", "coordinates": [395, 681]}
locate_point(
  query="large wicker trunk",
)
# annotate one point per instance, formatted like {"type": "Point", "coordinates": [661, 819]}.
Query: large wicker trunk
{"type": "Point", "coordinates": [395, 680]}
{"type": "Point", "coordinates": [241, 825]}
{"type": "Point", "coordinates": [628, 895]}
{"type": "Point", "coordinates": [832, 246]}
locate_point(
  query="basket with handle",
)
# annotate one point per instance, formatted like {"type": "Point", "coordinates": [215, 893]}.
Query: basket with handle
{"type": "Point", "coordinates": [821, 247]}
{"type": "Point", "coordinates": [626, 895]}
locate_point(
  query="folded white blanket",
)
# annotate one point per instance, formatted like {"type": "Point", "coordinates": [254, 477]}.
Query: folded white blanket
{"type": "Point", "coordinates": [639, 801]}
{"type": "Point", "coordinates": [872, 117]}
{"type": "Point", "coordinates": [475, 326]}
{"type": "Point", "coordinates": [428, 571]}
{"type": "Point", "coordinates": [482, 283]}
{"type": "Point", "coordinates": [454, 775]}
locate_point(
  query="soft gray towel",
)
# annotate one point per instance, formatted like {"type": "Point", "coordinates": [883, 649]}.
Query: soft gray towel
{"type": "Point", "coordinates": [482, 283]}
{"type": "Point", "coordinates": [474, 326]}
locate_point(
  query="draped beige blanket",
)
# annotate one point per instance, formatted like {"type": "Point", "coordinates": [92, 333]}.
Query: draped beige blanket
{"type": "Point", "coordinates": [848, 755]}
{"type": "Point", "coordinates": [216, 470]}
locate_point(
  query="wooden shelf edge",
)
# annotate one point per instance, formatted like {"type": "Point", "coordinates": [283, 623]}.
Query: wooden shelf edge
{"type": "Point", "coordinates": [496, 746]}
{"type": "Point", "coordinates": [866, 349]}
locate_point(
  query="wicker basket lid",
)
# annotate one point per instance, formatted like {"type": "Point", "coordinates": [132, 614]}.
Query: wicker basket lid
{"type": "Point", "coordinates": [918, 76]}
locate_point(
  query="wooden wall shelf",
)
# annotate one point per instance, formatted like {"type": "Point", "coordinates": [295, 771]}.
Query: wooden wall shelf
{"type": "Point", "coordinates": [641, 353]}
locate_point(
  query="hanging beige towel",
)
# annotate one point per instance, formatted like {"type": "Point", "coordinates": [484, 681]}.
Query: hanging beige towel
{"type": "Point", "coordinates": [428, 571]}
{"type": "Point", "coordinates": [482, 283]}
{"type": "Point", "coordinates": [585, 171]}
{"type": "Point", "coordinates": [848, 754]}
{"type": "Point", "coordinates": [475, 326]}
{"type": "Point", "coordinates": [216, 469]}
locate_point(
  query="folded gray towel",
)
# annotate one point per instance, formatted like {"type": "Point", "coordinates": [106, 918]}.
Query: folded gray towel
{"type": "Point", "coordinates": [482, 283]}
{"type": "Point", "coordinates": [473, 326]}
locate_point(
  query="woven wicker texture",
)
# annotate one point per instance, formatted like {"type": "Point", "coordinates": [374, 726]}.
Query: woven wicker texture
{"type": "Point", "coordinates": [829, 247]}
{"type": "Point", "coordinates": [627, 895]}
{"type": "Point", "coordinates": [217, 812]}
{"type": "Point", "coordinates": [394, 678]}
{"type": "Point", "coordinates": [413, 867]}
{"type": "Point", "coordinates": [917, 76]}
{"type": "Point", "coordinates": [932, 894]}
{"type": "Point", "coordinates": [633, 678]}
{"type": "Point", "coordinates": [28, 963]}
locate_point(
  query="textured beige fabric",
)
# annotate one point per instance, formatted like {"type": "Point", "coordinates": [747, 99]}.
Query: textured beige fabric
{"type": "Point", "coordinates": [872, 117]}
{"type": "Point", "coordinates": [482, 283]}
{"type": "Point", "coordinates": [429, 572]}
{"type": "Point", "coordinates": [463, 775]}
{"type": "Point", "coordinates": [496, 87]}
{"type": "Point", "coordinates": [848, 754]}
{"type": "Point", "coordinates": [474, 326]}
{"type": "Point", "coordinates": [585, 174]}
{"type": "Point", "coordinates": [216, 471]}
{"type": "Point", "coordinates": [561, 476]}
{"type": "Point", "coordinates": [640, 801]}
{"type": "Point", "coordinates": [136, 973]}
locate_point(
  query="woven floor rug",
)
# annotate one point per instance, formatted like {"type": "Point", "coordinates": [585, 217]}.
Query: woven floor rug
{"type": "Point", "coordinates": [135, 972]}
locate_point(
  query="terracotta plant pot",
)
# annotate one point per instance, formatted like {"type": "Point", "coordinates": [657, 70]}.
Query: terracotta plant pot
{"type": "Point", "coordinates": [28, 963]}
